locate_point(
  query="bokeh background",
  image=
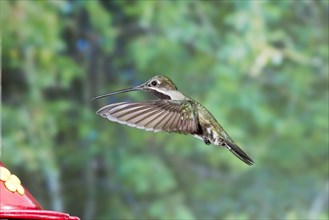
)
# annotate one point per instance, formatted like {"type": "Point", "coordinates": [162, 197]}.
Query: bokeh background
{"type": "Point", "coordinates": [261, 68]}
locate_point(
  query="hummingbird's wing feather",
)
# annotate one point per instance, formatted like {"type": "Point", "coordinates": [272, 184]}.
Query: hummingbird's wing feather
{"type": "Point", "coordinates": [158, 115]}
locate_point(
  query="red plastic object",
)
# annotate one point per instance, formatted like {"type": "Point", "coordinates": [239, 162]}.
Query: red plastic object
{"type": "Point", "coordinates": [20, 204]}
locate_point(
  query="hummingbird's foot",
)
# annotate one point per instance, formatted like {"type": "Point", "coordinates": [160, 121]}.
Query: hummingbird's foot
{"type": "Point", "coordinates": [206, 140]}
{"type": "Point", "coordinates": [222, 143]}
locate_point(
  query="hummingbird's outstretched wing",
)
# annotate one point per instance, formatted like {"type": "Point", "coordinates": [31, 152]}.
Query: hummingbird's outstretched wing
{"type": "Point", "coordinates": [157, 115]}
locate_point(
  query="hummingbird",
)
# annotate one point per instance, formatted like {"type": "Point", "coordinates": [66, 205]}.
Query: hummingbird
{"type": "Point", "coordinates": [171, 112]}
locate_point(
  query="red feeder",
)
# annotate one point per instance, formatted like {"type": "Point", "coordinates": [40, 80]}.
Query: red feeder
{"type": "Point", "coordinates": [17, 203]}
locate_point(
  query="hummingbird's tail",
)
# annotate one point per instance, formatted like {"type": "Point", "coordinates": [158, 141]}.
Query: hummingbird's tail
{"type": "Point", "coordinates": [238, 152]}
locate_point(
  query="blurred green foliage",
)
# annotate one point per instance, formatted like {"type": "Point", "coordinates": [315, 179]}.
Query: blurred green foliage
{"type": "Point", "coordinates": [261, 67]}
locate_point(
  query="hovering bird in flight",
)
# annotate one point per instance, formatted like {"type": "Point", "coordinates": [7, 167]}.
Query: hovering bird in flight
{"type": "Point", "coordinates": [172, 112]}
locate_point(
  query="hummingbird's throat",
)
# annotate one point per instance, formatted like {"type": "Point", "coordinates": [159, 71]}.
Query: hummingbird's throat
{"type": "Point", "coordinates": [168, 94]}
{"type": "Point", "coordinates": [159, 94]}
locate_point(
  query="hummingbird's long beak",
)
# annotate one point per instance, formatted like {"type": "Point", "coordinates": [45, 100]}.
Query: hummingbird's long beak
{"type": "Point", "coordinates": [140, 87]}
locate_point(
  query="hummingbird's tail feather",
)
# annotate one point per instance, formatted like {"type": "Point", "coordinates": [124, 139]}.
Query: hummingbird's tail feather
{"type": "Point", "coordinates": [238, 152]}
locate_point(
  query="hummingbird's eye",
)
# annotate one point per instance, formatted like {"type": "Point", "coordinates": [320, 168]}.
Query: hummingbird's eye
{"type": "Point", "coordinates": [154, 83]}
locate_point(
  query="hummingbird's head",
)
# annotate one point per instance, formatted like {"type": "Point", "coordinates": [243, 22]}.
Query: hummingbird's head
{"type": "Point", "coordinates": [160, 86]}
{"type": "Point", "coordinates": [160, 83]}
